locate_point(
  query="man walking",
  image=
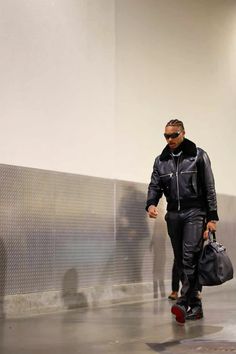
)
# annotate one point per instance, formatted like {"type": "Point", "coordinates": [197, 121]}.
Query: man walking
{"type": "Point", "coordinates": [183, 174]}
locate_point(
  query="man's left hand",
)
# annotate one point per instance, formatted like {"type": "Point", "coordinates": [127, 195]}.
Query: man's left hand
{"type": "Point", "coordinates": [211, 226]}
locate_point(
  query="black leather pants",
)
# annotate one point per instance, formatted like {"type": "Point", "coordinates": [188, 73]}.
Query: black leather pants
{"type": "Point", "coordinates": [175, 277]}
{"type": "Point", "coordinates": [185, 229]}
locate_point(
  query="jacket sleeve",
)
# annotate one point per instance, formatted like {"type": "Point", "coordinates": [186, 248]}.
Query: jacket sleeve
{"type": "Point", "coordinates": [209, 187]}
{"type": "Point", "coordinates": [155, 191]}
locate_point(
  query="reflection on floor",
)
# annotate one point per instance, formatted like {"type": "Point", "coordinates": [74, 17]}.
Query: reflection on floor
{"type": "Point", "coordinates": [139, 328]}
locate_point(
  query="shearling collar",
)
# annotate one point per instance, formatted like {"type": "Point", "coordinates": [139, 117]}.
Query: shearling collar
{"type": "Point", "coordinates": [187, 146]}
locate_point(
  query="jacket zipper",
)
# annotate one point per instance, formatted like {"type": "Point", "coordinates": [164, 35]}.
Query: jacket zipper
{"type": "Point", "coordinates": [177, 181]}
{"type": "Point", "coordinates": [168, 174]}
{"type": "Point", "coordinates": [188, 172]}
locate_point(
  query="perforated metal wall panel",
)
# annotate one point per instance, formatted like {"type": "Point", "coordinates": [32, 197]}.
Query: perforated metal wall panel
{"type": "Point", "coordinates": [26, 229]}
{"type": "Point", "coordinates": [56, 229]}
{"type": "Point", "coordinates": [61, 231]}
{"type": "Point", "coordinates": [84, 230]}
{"type": "Point", "coordinates": [132, 232]}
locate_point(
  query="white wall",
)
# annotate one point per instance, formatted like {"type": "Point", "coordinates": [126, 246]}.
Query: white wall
{"type": "Point", "coordinates": [88, 85]}
{"type": "Point", "coordinates": [57, 84]}
{"type": "Point", "coordinates": [176, 59]}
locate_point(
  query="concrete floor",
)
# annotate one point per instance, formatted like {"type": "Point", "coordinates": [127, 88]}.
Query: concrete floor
{"type": "Point", "coordinates": [139, 328]}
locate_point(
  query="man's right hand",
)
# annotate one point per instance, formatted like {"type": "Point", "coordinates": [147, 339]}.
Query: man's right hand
{"type": "Point", "coordinates": [152, 211]}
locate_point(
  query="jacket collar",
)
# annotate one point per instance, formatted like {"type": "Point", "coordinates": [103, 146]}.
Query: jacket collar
{"type": "Point", "coordinates": [187, 146]}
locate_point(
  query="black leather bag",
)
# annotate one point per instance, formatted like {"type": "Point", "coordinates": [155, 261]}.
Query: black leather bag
{"type": "Point", "coordinates": [214, 267]}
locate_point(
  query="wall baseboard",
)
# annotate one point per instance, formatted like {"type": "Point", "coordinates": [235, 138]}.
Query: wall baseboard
{"type": "Point", "coordinates": [91, 297]}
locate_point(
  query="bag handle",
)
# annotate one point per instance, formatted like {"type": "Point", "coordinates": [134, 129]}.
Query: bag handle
{"type": "Point", "coordinates": [212, 236]}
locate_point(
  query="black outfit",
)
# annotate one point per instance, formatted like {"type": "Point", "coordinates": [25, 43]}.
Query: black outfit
{"type": "Point", "coordinates": [185, 178]}
{"type": "Point", "coordinates": [175, 277]}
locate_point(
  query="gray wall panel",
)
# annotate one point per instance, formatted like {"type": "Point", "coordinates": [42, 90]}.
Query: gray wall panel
{"type": "Point", "coordinates": [132, 234]}
{"type": "Point", "coordinates": [84, 228]}
{"type": "Point", "coordinates": [226, 229]}
{"type": "Point", "coordinates": [26, 229]}
{"type": "Point", "coordinates": [61, 231]}
{"type": "Point", "coordinates": [56, 230]}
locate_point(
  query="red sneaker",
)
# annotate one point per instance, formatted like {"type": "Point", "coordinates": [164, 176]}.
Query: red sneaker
{"type": "Point", "coordinates": [180, 312]}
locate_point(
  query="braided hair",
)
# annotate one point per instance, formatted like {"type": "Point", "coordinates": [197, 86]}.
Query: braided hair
{"type": "Point", "coordinates": [175, 122]}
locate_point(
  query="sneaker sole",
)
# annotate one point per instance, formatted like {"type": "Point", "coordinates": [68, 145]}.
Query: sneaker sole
{"type": "Point", "coordinates": [179, 314]}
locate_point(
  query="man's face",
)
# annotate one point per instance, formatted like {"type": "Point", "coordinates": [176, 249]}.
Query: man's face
{"type": "Point", "coordinates": [174, 136]}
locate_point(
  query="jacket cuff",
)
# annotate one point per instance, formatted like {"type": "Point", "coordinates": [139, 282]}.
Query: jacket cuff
{"type": "Point", "coordinates": [150, 202]}
{"type": "Point", "coordinates": [212, 215]}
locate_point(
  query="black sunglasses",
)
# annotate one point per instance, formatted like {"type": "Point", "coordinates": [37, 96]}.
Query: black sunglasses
{"type": "Point", "coordinates": [172, 136]}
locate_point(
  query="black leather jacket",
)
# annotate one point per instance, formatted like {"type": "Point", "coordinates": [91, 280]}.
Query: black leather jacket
{"type": "Point", "coordinates": [187, 181]}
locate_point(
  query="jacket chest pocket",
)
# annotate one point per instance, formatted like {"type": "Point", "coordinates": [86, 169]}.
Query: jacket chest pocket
{"type": "Point", "coordinates": [165, 181]}
{"type": "Point", "coordinates": [189, 180]}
